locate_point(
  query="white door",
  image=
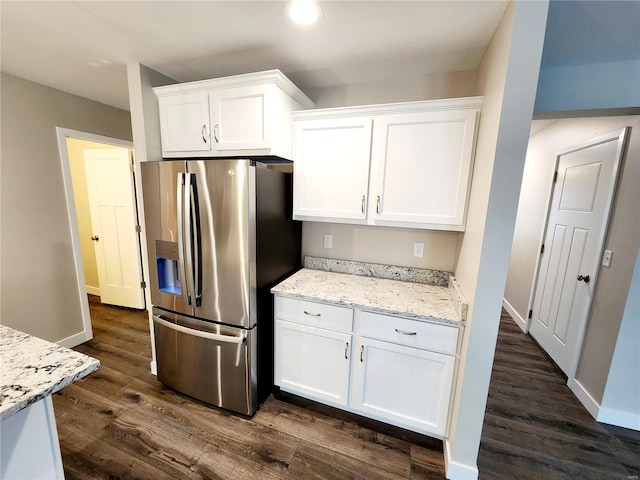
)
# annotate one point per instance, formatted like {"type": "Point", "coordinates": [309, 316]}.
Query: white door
{"type": "Point", "coordinates": [422, 164]}
{"type": "Point", "coordinates": [403, 385]}
{"type": "Point", "coordinates": [313, 362]}
{"type": "Point", "coordinates": [113, 218]}
{"type": "Point", "coordinates": [331, 173]}
{"type": "Point", "coordinates": [578, 216]}
{"type": "Point", "coordinates": [239, 118]}
{"type": "Point", "coordinates": [184, 122]}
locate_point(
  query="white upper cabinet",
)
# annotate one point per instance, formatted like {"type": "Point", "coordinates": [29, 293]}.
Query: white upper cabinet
{"type": "Point", "coordinates": [231, 116]}
{"type": "Point", "coordinates": [419, 160]}
{"type": "Point", "coordinates": [184, 123]}
{"type": "Point", "coordinates": [332, 180]}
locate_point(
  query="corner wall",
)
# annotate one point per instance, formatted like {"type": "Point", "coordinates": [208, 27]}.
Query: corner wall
{"type": "Point", "coordinates": [38, 281]}
{"type": "Point", "coordinates": [507, 78]}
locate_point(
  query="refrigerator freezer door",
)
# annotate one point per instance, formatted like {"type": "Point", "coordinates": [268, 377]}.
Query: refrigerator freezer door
{"type": "Point", "coordinates": [162, 198]}
{"type": "Point", "coordinates": [207, 361]}
{"type": "Point", "coordinates": [224, 235]}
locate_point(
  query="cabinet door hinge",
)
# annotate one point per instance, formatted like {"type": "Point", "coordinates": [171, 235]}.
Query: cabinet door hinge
{"type": "Point", "coordinates": [555, 176]}
{"type": "Point", "coordinates": [530, 314]}
{"type": "Point", "coordinates": [542, 249]}
{"type": "Point", "coordinates": [138, 229]}
{"type": "Point", "coordinates": [143, 284]}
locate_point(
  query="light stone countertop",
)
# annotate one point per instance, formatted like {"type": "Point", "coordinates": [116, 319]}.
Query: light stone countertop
{"type": "Point", "coordinates": [413, 300]}
{"type": "Point", "coordinates": [32, 368]}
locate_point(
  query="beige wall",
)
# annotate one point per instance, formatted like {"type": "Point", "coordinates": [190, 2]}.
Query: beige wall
{"type": "Point", "coordinates": [429, 87]}
{"type": "Point", "coordinates": [623, 237]}
{"type": "Point", "coordinates": [38, 280]}
{"type": "Point", "coordinates": [393, 246]}
{"type": "Point", "coordinates": [507, 78]}
{"type": "Point", "coordinates": [76, 148]}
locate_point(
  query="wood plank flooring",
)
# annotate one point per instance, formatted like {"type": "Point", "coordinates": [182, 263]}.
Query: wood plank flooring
{"type": "Point", "coordinates": [120, 423]}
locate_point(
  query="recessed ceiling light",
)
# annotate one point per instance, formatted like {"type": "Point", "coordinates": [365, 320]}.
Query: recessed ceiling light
{"type": "Point", "coordinates": [304, 12]}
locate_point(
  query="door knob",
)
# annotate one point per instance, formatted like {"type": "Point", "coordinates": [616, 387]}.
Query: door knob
{"type": "Point", "coordinates": [584, 278]}
{"type": "Point", "coordinates": [95, 238]}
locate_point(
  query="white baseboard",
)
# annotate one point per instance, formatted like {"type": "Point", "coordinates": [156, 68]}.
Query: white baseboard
{"type": "Point", "coordinates": [621, 419]}
{"type": "Point", "coordinates": [154, 368]}
{"type": "Point", "coordinates": [521, 322]}
{"type": "Point", "coordinates": [75, 340]}
{"type": "Point", "coordinates": [456, 470]}
{"type": "Point", "coordinates": [585, 397]}
{"type": "Point", "coordinates": [93, 290]}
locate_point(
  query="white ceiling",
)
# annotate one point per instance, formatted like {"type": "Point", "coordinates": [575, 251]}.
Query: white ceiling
{"type": "Point", "coordinates": [82, 47]}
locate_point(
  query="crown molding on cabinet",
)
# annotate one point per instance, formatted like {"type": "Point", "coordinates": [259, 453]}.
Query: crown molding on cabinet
{"type": "Point", "coordinates": [462, 103]}
{"type": "Point", "coordinates": [245, 80]}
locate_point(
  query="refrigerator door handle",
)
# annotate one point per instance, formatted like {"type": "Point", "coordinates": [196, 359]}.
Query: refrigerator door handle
{"type": "Point", "coordinates": [197, 333]}
{"type": "Point", "coordinates": [180, 217]}
{"type": "Point", "coordinates": [188, 241]}
{"type": "Point", "coordinates": [196, 265]}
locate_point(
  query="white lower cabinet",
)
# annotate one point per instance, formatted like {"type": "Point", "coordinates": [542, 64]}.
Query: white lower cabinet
{"type": "Point", "coordinates": [403, 385]}
{"type": "Point", "coordinates": [312, 362]}
{"type": "Point", "coordinates": [393, 369]}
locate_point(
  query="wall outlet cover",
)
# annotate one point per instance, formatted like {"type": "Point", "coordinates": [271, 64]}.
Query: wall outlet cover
{"type": "Point", "coordinates": [418, 249]}
{"type": "Point", "coordinates": [328, 241]}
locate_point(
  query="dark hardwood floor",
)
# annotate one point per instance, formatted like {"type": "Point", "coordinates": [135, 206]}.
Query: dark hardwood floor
{"type": "Point", "coordinates": [119, 422]}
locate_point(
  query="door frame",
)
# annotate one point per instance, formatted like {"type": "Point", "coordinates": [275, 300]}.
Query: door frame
{"type": "Point", "coordinates": [62, 135]}
{"type": "Point", "coordinates": [621, 136]}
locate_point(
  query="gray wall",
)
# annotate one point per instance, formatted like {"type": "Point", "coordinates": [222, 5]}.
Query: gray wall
{"type": "Point", "coordinates": [38, 281]}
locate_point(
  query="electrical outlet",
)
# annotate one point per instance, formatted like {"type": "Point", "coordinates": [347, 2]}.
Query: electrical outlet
{"type": "Point", "coordinates": [606, 258]}
{"type": "Point", "coordinates": [418, 249]}
{"type": "Point", "coordinates": [328, 241]}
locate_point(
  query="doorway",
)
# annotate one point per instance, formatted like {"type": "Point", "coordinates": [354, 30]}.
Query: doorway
{"type": "Point", "coordinates": [77, 151]}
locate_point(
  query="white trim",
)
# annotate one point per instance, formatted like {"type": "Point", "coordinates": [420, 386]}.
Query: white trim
{"type": "Point", "coordinates": [62, 134]}
{"type": "Point", "coordinates": [619, 418]}
{"type": "Point", "coordinates": [521, 322]}
{"type": "Point", "coordinates": [456, 470]}
{"type": "Point", "coordinates": [93, 290]}
{"type": "Point", "coordinates": [235, 81]}
{"type": "Point", "coordinates": [154, 367]}
{"type": "Point", "coordinates": [461, 103]}
{"type": "Point", "coordinates": [585, 397]}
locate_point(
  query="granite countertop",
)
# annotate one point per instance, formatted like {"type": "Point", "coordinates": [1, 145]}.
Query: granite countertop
{"type": "Point", "coordinates": [32, 368]}
{"type": "Point", "coordinates": [326, 283]}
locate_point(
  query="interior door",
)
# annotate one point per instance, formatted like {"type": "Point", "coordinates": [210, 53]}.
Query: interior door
{"type": "Point", "coordinates": [114, 219]}
{"type": "Point", "coordinates": [578, 216]}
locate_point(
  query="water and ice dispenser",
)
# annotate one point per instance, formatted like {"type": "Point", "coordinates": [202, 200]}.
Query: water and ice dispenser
{"type": "Point", "coordinates": [167, 259]}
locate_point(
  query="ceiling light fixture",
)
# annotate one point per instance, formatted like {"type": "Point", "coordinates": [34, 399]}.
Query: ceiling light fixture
{"type": "Point", "coordinates": [304, 12]}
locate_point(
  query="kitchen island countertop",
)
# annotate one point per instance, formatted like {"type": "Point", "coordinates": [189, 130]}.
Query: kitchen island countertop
{"type": "Point", "coordinates": [32, 368]}
{"type": "Point", "coordinates": [421, 301]}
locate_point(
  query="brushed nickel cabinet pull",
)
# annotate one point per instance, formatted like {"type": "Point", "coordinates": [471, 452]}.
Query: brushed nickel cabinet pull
{"type": "Point", "coordinates": [378, 205]}
{"type": "Point", "coordinates": [362, 203]}
{"type": "Point", "coordinates": [404, 332]}
{"type": "Point", "coordinates": [311, 314]}
{"type": "Point", "coordinates": [215, 133]}
{"type": "Point", "coordinates": [346, 348]}
{"type": "Point", "coordinates": [204, 133]}
{"type": "Point", "coordinates": [361, 353]}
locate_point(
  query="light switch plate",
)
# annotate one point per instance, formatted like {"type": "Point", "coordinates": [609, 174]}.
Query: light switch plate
{"type": "Point", "coordinates": [606, 258]}
{"type": "Point", "coordinates": [328, 241]}
{"type": "Point", "coordinates": [418, 249]}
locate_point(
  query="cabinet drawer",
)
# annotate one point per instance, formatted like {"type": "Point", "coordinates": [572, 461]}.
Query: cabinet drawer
{"type": "Point", "coordinates": [314, 314]}
{"type": "Point", "coordinates": [404, 331]}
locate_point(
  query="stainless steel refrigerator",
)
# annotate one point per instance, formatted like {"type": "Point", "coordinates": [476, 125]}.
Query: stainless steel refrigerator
{"type": "Point", "coordinates": [219, 235]}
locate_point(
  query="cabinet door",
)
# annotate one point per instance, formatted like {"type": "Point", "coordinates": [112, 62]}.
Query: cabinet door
{"type": "Point", "coordinates": [239, 118]}
{"type": "Point", "coordinates": [312, 362]}
{"type": "Point", "coordinates": [422, 163]}
{"type": "Point", "coordinates": [405, 386]}
{"type": "Point", "coordinates": [184, 122]}
{"type": "Point", "coordinates": [331, 172]}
